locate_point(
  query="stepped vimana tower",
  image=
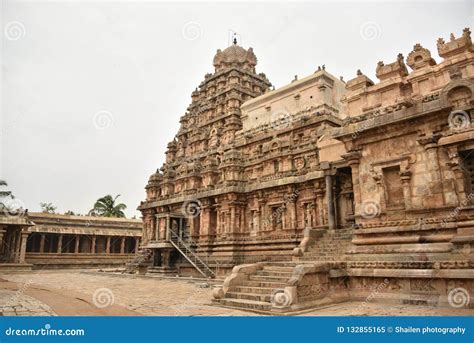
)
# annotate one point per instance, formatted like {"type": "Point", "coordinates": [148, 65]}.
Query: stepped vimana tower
{"type": "Point", "coordinates": [322, 190]}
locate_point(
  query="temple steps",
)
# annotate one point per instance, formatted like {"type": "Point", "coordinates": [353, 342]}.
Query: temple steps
{"type": "Point", "coordinates": [271, 284]}
{"type": "Point", "coordinates": [275, 273]}
{"type": "Point", "coordinates": [246, 304]}
{"type": "Point", "coordinates": [256, 292]}
{"type": "Point", "coordinates": [253, 290]}
{"type": "Point", "coordinates": [269, 278]}
{"type": "Point", "coordinates": [250, 296]}
{"type": "Point", "coordinates": [330, 246]}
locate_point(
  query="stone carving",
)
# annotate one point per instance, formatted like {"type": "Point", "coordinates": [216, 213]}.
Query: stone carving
{"type": "Point", "coordinates": [420, 57]}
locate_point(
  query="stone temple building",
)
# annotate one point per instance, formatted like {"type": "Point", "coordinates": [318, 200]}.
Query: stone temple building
{"type": "Point", "coordinates": [322, 190]}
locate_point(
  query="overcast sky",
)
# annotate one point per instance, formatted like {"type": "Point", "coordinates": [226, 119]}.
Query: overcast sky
{"type": "Point", "coordinates": [93, 91]}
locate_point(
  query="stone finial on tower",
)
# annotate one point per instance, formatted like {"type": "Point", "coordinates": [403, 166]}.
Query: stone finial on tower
{"type": "Point", "coordinates": [358, 82]}
{"type": "Point", "coordinates": [456, 45]}
{"type": "Point", "coordinates": [235, 56]}
{"type": "Point", "coordinates": [420, 57]}
{"type": "Point", "coordinates": [397, 68]}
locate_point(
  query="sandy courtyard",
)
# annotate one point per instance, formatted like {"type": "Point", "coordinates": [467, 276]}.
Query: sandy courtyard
{"type": "Point", "coordinates": [87, 293]}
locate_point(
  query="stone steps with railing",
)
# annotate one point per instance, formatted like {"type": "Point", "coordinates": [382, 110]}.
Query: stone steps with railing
{"type": "Point", "coordinates": [143, 256]}
{"type": "Point", "coordinates": [256, 293]}
{"type": "Point", "coordinates": [187, 249]}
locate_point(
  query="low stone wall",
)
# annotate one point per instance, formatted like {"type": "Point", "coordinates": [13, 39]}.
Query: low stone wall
{"type": "Point", "coordinates": [316, 284]}
{"type": "Point", "coordinates": [57, 261]}
{"type": "Point", "coordinates": [312, 285]}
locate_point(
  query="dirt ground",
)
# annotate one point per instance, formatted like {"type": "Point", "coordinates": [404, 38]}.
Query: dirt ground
{"type": "Point", "coordinates": [76, 293]}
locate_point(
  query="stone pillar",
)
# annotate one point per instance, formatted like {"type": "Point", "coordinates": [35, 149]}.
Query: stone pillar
{"type": "Point", "coordinates": [11, 246]}
{"type": "Point", "coordinates": [137, 245]}
{"type": "Point", "coordinates": [43, 237]}
{"type": "Point", "coordinates": [320, 206]}
{"type": "Point", "coordinates": [107, 245]}
{"type": "Point", "coordinates": [76, 247]}
{"type": "Point", "coordinates": [22, 252]}
{"type": "Point", "coordinates": [157, 228]}
{"type": "Point", "coordinates": [122, 246]}
{"type": "Point", "coordinates": [60, 244]}
{"type": "Point", "coordinates": [231, 228]}
{"type": "Point", "coordinates": [192, 228]}
{"type": "Point", "coordinates": [292, 214]}
{"type": "Point", "coordinates": [17, 246]}
{"type": "Point", "coordinates": [430, 144]}
{"type": "Point", "coordinates": [168, 226]}
{"type": "Point", "coordinates": [2, 235]}
{"type": "Point", "coordinates": [166, 258]}
{"type": "Point", "coordinates": [330, 202]}
{"type": "Point", "coordinates": [455, 164]}
{"type": "Point", "coordinates": [93, 244]}
{"type": "Point", "coordinates": [205, 220]}
{"type": "Point", "coordinates": [405, 177]}
{"type": "Point", "coordinates": [353, 160]}
{"type": "Point", "coordinates": [264, 221]}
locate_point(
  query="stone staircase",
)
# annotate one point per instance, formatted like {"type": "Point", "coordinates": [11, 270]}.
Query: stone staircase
{"type": "Point", "coordinates": [255, 294]}
{"type": "Point", "coordinates": [186, 249]}
{"type": "Point", "coordinates": [143, 256]}
{"type": "Point", "coordinates": [332, 246]}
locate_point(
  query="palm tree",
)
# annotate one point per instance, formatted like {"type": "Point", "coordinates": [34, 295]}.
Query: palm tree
{"type": "Point", "coordinates": [48, 207]}
{"type": "Point", "coordinates": [4, 194]}
{"type": "Point", "coordinates": [106, 207]}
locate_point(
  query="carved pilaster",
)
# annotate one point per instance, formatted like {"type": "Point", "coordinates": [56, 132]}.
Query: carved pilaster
{"type": "Point", "coordinates": [353, 160]}
{"type": "Point", "coordinates": [405, 177]}
{"type": "Point", "coordinates": [455, 164]}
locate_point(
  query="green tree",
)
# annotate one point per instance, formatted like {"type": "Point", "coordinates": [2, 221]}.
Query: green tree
{"type": "Point", "coordinates": [4, 193]}
{"type": "Point", "coordinates": [107, 207]}
{"type": "Point", "coordinates": [47, 207]}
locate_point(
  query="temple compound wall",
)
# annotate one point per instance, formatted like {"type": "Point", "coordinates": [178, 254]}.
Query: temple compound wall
{"type": "Point", "coordinates": [66, 241]}
{"type": "Point", "coordinates": [370, 182]}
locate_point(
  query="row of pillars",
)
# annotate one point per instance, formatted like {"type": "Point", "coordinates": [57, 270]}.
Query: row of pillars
{"type": "Point", "coordinates": [13, 244]}
{"type": "Point", "coordinates": [82, 244]}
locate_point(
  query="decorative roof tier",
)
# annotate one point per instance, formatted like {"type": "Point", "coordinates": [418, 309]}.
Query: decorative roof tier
{"type": "Point", "coordinates": [358, 82]}
{"type": "Point", "coordinates": [235, 56]}
{"type": "Point", "coordinates": [397, 68]}
{"type": "Point", "coordinates": [455, 46]}
{"type": "Point", "coordinates": [420, 57]}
